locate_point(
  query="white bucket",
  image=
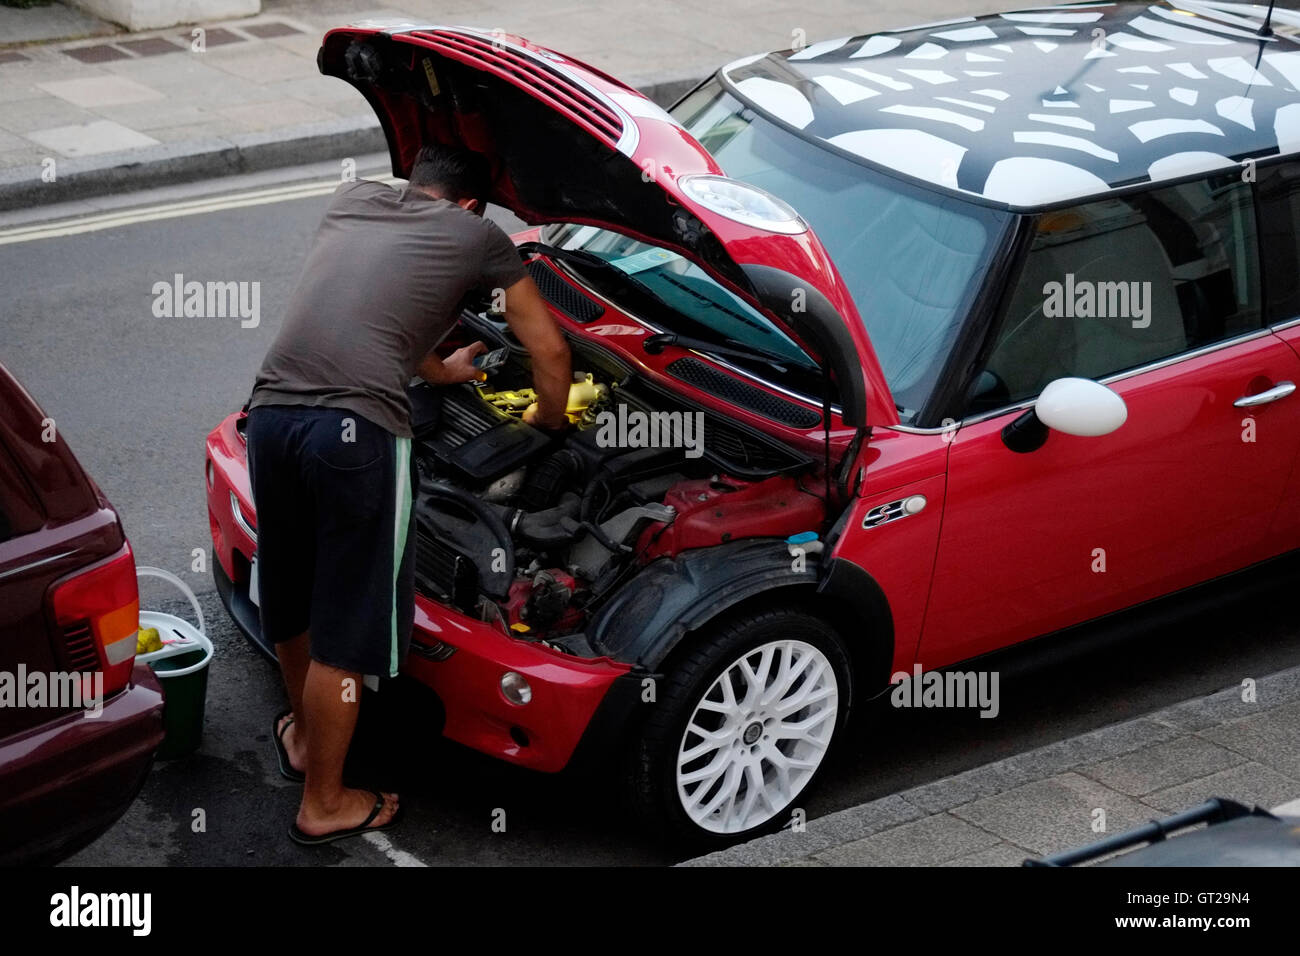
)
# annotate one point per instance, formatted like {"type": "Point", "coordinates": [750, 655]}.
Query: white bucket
{"type": "Point", "coordinates": [179, 636]}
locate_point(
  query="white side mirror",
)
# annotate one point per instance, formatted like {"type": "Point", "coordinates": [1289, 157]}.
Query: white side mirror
{"type": "Point", "coordinates": [1080, 406]}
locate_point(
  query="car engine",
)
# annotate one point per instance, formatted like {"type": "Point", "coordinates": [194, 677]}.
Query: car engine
{"type": "Point", "coordinates": [532, 530]}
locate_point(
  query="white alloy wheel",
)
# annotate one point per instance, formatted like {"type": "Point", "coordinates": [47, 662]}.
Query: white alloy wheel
{"type": "Point", "coordinates": [757, 736]}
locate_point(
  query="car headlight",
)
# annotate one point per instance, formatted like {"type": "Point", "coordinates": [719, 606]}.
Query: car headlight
{"type": "Point", "coordinates": [741, 202]}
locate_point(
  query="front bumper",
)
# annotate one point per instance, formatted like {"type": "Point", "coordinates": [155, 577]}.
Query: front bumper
{"type": "Point", "coordinates": [542, 734]}
{"type": "Point", "coordinates": [460, 658]}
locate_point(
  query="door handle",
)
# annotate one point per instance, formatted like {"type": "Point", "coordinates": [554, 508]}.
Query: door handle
{"type": "Point", "coordinates": [1280, 390]}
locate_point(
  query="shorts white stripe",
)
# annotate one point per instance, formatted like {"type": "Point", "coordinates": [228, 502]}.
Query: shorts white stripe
{"type": "Point", "coordinates": [401, 521]}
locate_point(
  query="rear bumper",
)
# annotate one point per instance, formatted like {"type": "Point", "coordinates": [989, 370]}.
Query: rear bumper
{"type": "Point", "coordinates": [460, 658]}
{"type": "Point", "coordinates": [65, 782]}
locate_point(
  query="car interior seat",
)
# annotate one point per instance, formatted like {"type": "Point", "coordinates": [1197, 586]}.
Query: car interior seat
{"type": "Point", "coordinates": [1034, 348]}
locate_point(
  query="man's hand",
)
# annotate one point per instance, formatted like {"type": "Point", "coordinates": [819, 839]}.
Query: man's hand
{"type": "Point", "coordinates": [459, 365]}
{"type": "Point", "coordinates": [532, 417]}
{"type": "Point", "coordinates": [456, 367]}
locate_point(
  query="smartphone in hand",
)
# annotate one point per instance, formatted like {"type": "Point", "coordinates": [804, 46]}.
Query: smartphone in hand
{"type": "Point", "coordinates": [487, 361]}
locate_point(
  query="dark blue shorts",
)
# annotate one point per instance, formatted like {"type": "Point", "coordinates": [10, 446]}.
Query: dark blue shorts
{"type": "Point", "coordinates": [335, 534]}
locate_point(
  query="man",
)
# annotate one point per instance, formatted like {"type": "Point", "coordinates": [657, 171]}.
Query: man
{"type": "Point", "coordinates": [329, 449]}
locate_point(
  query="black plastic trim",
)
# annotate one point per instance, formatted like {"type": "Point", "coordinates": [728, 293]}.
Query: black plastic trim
{"type": "Point", "coordinates": [563, 296]}
{"type": "Point", "coordinates": [241, 610]}
{"type": "Point", "coordinates": [728, 387]}
{"type": "Point", "coordinates": [823, 326]}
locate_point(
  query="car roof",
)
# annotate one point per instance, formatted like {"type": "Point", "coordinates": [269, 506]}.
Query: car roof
{"type": "Point", "coordinates": [1047, 105]}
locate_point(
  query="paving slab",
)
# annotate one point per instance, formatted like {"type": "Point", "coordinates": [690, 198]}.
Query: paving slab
{"type": "Point", "coordinates": [1250, 783]}
{"type": "Point", "coordinates": [1055, 814]}
{"type": "Point", "coordinates": [925, 842]}
{"type": "Point", "coordinates": [1162, 766]}
{"type": "Point", "coordinates": [94, 92]}
{"type": "Point", "coordinates": [89, 139]}
{"type": "Point", "coordinates": [1271, 738]}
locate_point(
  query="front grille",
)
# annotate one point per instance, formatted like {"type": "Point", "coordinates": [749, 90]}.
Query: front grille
{"type": "Point", "coordinates": [79, 643]}
{"type": "Point", "coordinates": [562, 295]}
{"type": "Point", "coordinates": [728, 387]}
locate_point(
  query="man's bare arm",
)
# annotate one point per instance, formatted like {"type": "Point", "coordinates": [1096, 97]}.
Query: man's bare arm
{"type": "Point", "coordinates": [532, 323]}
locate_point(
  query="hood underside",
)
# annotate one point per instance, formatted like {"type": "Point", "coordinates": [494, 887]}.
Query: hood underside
{"type": "Point", "coordinates": [567, 143]}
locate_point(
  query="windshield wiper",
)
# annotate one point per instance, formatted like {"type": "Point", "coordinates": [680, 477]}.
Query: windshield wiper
{"type": "Point", "coordinates": [581, 257]}
{"type": "Point", "coordinates": [654, 344]}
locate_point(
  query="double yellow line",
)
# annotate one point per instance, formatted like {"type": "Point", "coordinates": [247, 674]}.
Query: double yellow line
{"type": "Point", "coordinates": [172, 210]}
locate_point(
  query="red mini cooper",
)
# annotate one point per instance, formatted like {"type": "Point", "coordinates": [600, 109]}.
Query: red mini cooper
{"type": "Point", "coordinates": [890, 351]}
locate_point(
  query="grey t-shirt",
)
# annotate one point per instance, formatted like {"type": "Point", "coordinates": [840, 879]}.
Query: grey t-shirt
{"type": "Point", "coordinates": [379, 290]}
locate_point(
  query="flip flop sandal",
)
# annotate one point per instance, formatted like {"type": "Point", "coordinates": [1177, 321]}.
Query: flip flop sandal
{"type": "Point", "coordinates": [307, 839]}
{"type": "Point", "coordinates": [277, 734]}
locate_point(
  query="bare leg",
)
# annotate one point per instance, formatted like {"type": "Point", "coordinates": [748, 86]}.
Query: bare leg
{"type": "Point", "coordinates": [331, 700]}
{"type": "Point", "coordinates": [294, 660]}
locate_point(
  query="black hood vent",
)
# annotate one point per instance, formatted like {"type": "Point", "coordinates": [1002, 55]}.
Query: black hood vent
{"type": "Point", "coordinates": [562, 295]}
{"type": "Point", "coordinates": [718, 383]}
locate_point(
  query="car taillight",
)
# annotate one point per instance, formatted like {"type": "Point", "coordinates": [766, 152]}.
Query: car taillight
{"type": "Point", "coordinates": [97, 610]}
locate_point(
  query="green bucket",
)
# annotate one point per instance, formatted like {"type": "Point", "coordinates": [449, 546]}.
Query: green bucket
{"type": "Point", "coordinates": [182, 669]}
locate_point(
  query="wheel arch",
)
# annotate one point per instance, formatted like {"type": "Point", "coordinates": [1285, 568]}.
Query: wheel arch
{"type": "Point", "coordinates": [654, 616]}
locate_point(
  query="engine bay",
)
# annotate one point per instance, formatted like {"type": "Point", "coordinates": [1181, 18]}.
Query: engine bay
{"type": "Point", "coordinates": [533, 530]}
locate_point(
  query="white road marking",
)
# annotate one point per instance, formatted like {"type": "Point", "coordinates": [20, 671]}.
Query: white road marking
{"type": "Point", "coordinates": [173, 210]}
{"type": "Point", "coordinates": [385, 846]}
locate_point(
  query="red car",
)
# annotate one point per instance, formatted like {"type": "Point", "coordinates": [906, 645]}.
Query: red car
{"type": "Point", "coordinates": [79, 720]}
{"type": "Point", "coordinates": [892, 351]}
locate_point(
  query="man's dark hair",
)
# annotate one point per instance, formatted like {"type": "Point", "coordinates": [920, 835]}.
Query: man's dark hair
{"type": "Point", "coordinates": [454, 172]}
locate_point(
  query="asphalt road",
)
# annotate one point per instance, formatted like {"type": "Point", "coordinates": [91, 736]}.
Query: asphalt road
{"type": "Point", "coordinates": [135, 396]}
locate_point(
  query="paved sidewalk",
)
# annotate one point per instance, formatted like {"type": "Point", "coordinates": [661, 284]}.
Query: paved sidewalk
{"type": "Point", "coordinates": [1044, 801]}
{"type": "Point", "coordinates": [126, 110]}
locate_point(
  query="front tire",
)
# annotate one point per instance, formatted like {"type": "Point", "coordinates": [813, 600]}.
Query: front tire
{"type": "Point", "coordinates": [744, 721]}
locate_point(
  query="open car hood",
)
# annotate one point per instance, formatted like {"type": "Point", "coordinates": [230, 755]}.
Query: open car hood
{"type": "Point", "coordinates": [568, 143]}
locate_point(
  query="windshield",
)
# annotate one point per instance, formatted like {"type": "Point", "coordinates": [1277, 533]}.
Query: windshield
{"type": "Point", "coordinates": [912, 259]}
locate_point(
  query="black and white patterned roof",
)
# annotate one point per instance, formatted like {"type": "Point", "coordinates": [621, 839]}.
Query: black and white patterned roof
{"type": "Point", "coordinates": [1049, 104]}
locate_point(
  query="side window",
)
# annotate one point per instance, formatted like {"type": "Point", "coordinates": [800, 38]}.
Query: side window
{"type": "Point", "coordinates": [1279, 239]}
{"type": "Point", "coordinates": [1119, 283]}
